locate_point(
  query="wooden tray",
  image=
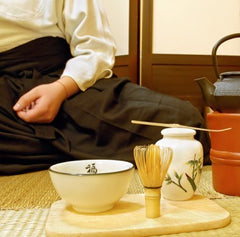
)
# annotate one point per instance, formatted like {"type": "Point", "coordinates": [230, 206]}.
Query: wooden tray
{"type": "Point", "coordinates": [127, 218]}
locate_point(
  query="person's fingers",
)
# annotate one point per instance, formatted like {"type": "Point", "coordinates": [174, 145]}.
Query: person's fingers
{"type": "Point", "coordinates": [38, 112]}
{"type": "Point", "coordinates": [40, 105]}
{"type": "Point", "coordinates": [34, 114]}
{"type": "Point", "coordinates": [29, 114]}
{"type": "Point", "coordinates": [26, 101]}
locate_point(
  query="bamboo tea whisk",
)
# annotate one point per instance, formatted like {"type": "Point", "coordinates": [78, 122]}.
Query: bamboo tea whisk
{"type": "Point", "coordinates": [152, 163]}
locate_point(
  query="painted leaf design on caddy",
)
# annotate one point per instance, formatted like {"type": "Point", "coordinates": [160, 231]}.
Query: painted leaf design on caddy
{"type": "Point", "coordinates": [196, 165]}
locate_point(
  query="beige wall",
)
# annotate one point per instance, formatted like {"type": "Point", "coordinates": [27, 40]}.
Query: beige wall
{"type": "Point", "coordinates": [194, 26]}
{"type": "Point", "coordinates": [118, 15]}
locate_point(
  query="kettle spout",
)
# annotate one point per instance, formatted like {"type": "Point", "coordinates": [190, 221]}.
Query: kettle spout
{"type": "Point", "coordinates": [207, 89]}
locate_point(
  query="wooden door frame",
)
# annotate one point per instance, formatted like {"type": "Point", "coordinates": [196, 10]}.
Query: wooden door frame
{"type": "Point", "coordinates": [130, 62]}
{"type": "Point", "coordinates": [146, 39]}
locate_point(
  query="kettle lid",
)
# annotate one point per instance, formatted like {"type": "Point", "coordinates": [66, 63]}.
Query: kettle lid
{"type": "Point", "coordinates": [235, 74]}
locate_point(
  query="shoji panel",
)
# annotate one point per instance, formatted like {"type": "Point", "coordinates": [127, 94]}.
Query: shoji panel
{"type": "Point", "coordinates": [193, 27]}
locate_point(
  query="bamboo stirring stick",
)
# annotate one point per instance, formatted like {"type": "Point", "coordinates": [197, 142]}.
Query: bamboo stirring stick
{"type": "Point", "coordinates": [175, 125]}
{"type": "Point", "coordinates": [152, 163]}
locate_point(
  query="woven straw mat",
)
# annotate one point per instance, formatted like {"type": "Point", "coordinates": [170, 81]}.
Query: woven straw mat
{"type": "Point", "coordinates": [35, 190]}
{"type": "Point", "coordinates": [25, 200]}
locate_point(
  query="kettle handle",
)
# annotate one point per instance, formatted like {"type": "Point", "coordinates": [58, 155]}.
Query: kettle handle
{"type": "Point", "coordinates": [214, 51]}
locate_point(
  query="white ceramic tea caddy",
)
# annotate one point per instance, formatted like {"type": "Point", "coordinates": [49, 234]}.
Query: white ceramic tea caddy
{"type": "Point", "coordinates": [185, 169]}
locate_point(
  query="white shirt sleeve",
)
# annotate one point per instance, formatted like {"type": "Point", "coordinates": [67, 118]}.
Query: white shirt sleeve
{"type": "Point", "coordinates": [86, 29]}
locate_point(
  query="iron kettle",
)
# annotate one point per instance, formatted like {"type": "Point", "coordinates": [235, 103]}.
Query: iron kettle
{"type": "Point", "coordinates": [224, 94]}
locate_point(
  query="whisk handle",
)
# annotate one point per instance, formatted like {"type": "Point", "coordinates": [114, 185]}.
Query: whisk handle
{"type": "Point", "coordinates": [152, 202]}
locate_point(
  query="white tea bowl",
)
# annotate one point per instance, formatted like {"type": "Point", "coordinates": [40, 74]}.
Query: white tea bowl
{"type": "Point", "coordinates": [91, 186]}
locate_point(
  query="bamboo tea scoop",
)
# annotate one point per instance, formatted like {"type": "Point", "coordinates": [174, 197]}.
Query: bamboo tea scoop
{"type": "Point", "coordinates": [175, 125]}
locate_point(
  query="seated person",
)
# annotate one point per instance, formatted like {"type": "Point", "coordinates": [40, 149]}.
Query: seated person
{"type": "Point", "coordinates": [59, 98]}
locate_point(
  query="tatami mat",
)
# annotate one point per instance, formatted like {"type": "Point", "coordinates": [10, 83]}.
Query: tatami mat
{"type": "Point", "coordinates": [23, 223]}
{"type": "Point", "coordinates": [25, 200]}
{"type": "Point", "coordinates": [35, 190]}
{"type": "Point", "coordinates": [25, 191]}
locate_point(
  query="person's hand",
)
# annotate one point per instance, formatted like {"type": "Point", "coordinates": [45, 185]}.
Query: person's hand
{"type": "Point", "coordinates": [41, 104]}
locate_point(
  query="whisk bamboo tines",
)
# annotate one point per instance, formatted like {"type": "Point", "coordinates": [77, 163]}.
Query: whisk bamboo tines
{"type": "Point", "coordinates": [152, 163]}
